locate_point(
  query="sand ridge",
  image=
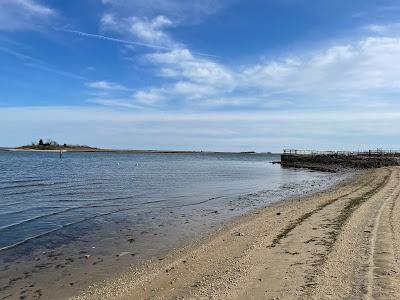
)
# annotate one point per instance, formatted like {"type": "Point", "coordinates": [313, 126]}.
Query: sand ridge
{"type": "Point", "coordinates": [339, 244]}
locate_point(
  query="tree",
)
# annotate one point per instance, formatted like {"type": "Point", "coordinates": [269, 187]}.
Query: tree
{"type": "Point", "coordinates": [40, 142]}
{"type": "Point", "coordinates": [51, 142]}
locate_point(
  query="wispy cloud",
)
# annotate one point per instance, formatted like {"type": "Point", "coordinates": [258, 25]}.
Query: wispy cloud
{"type": "Point", "coordinates": [114, 94]}
{"type": "Point", "coordinates": [149, 97]}
{"type": "Point", "coordinates": [360, 73]}
{"type": "Point", "coordinates": [356, 69]}
{"type": "Point", "coordinates": [37, 64]}
{"type": "Point", "coordinates": [184, 11]}
{"type": "Point", "coordinates": [148, 30]}
{"type": "Point", "coordinates": [16, 54]}
{"type": "Point", "coordinates": [124, 103]}
{"type": "Point", "coordinates": [24, 15]}
{"type": "Point", "coordinates": [106, 85]}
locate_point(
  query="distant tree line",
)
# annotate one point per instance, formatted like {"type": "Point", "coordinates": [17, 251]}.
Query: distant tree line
{"type": "Point", "coordinates": [51, 143]}
{"type": "Point", "coordinates": [48, 142]}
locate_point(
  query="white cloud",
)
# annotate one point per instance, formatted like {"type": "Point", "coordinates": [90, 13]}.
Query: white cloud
{"type": "Point", "coordinates": [106, 85]}
{"type": "Point", "coordinates": [196, 77]}
{"type": "Point", "coordinates": [124, 103]}
{"type": "Point", "coordinates": [23, 15]}
{"type": "Point", "coordinates": [144, 30]}
{"type": "Point", "coordinates": [383, 29]}
{"type": "Point", "coordinates": [351, 69]}
{"type": "Point", "coordinates": [228, 101]}
{"type": "Point", "coordinates": [109, 94]}
{"type": "Point", "coordinates": [190, 90]}
{"type": "Point", "coordinates": [149, 97]}
{"type": "Point", "coordinates": [237, 131]}
{"type": "Point", "coordinates": [361, 73]}
{"type": "Point", "coordinates": [108, 20]}
{"type": "Point", "coordinates": [150, 30]}
{"type": "Point", "coordinates": [376, 28]}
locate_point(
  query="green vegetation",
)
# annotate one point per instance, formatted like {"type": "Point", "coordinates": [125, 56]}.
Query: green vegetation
{"type": "Point", "coordinates": [53, 145]}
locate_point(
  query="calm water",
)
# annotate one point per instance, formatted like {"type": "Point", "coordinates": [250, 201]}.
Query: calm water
{"type": "Point", "coordinates": [154, 201]}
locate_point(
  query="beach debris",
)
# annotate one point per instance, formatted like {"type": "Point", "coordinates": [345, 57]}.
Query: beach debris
{"type": "Point", "coordinates": [87, 256]}
{"type": "Point", "coordinates": [196, 284]}
{"type": "Point", "coordinates": [236, 233]}
{"type": "Point", "coordinates": [278, 213]}
{"type": "Point", "coordinates": [169, 269]}
{"type": "Point", "coordinates": [59, 266]}
{"type": "Point", "coordinates": [123, 254]}
{"type": "Point", "coordinates": [131, 240]}
{"type": "Point", "coordinates": [38, 294]}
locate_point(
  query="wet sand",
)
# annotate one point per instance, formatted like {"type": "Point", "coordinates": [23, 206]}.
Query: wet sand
{"type": "Point", "coordinates": [343, 243]}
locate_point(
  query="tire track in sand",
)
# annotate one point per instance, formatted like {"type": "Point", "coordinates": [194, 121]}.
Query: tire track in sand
{"type": "Point", "coordinates": [383, 269]}
{"type": "Point", "coordinates": [362, 263]}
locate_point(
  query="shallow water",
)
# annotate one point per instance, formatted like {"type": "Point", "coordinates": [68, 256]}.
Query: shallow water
{"type": "Point", "coordinates": [120, 208]}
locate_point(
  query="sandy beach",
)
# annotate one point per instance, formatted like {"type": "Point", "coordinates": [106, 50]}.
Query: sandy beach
{"type": "Point", "coordinates": [341, 243]}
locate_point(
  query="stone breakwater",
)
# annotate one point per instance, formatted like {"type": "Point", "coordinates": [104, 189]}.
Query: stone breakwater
{"type": "Point", "coordinates": [336, 162]}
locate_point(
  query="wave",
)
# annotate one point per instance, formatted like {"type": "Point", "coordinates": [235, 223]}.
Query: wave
{"type": "Point", "coordinates": [59, 228]}
{"type": "Point", "coordinates": [96, 199]}
{"type": "Point", "coordinates": [8, 226]}
{"type": "Point", "coordinates": [39, 184]}
{"type": "Point", "coordinates": [7, 213]}
{"type": "Point", "coordinates": [91, 218]}
{"type": "Point", "coordinates": [21, 181]}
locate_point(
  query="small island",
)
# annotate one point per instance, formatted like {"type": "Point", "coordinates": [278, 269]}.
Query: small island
{"type": "Point", "coordinates": [53, 146]}
{"type": "Point", "coordinates": [50, 145]}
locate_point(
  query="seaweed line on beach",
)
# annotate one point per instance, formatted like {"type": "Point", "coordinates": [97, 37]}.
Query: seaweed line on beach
{"type": "Point", "coordinates": [337, 225]}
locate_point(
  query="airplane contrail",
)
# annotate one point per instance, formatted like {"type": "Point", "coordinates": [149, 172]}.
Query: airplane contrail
{"type": "Point", "coordinates": [112, 39]}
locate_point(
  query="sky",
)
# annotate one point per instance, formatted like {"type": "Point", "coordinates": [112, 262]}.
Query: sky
{"type": "Point", "coordinates": [228, 75]}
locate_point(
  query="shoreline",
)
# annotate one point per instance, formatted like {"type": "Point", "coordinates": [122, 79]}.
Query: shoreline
{"type": "Point", "coordinates": [289, 249]}
{"type": "Point", "coordinates": [98, 150]}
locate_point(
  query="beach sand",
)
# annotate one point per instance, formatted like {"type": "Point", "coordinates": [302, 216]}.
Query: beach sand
{"type": "Point", "coordinates": [343, 243]}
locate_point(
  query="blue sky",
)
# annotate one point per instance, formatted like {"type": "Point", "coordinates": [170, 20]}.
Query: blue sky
{"type": "Point", "coordinates": [204, 75]}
